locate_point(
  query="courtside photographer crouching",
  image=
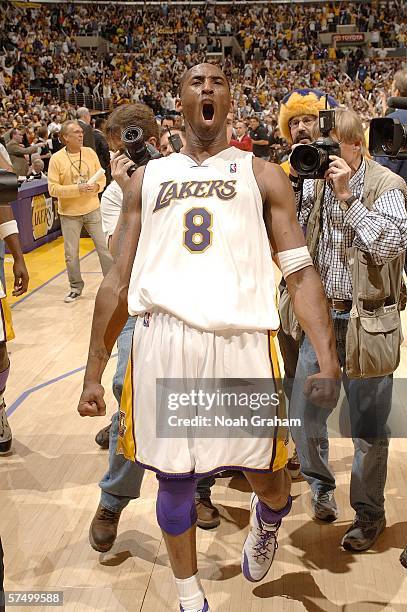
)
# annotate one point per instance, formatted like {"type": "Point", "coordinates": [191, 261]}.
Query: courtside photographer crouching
{"type": "Point", "coordinates": [356, 231]}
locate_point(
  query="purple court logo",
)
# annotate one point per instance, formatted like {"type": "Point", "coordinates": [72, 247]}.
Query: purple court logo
{"type": "Point", "coordinates": [233, 167]}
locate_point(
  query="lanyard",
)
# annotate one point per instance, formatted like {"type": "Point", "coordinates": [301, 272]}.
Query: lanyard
{"type": "Point", "coordinates": [73, 164]}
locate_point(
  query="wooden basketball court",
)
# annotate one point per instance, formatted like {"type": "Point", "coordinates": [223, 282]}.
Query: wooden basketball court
{"type": "Point", "coordinates": [49, 493]}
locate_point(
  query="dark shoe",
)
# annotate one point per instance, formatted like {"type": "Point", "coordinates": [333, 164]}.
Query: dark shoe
{"type": "Point", "coordinates": [71, 297]}
{"type": "Point", "coordinates": [5, 432]}
{"type": "Point", "coordinates": [403, 557]}
{"type": "Point", "coordinates": [324, 506]}
{"type": "Point", "coordinates": [208, 515]}
{"type": "Point", "coordinates": [362, 535]}
{"type": "Point", "coordinates": [102, 437]}
{"type": "Point", "coordinates": [103, 529]}
{"type": "Point", "coordinates": [293, 466]}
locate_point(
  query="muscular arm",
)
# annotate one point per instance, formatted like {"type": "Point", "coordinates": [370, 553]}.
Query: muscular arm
{"type": "Point", "coordinates": [12, 241]}
{"type": "Point", "coordinates": [305, 286]}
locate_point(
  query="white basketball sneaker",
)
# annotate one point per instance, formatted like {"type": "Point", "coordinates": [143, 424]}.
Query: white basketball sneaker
{"type": "Point", "coordinates": [260, 545]}
{"type": "Point", "coordinates": [5, 432]}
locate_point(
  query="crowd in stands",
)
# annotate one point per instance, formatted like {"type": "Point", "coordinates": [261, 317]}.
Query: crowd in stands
{"type": "Point", "coordinates": [41, 65]}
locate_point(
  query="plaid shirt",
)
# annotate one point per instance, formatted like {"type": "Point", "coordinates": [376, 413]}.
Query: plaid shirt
{"type": "Point", "coordinates": [381, 231]}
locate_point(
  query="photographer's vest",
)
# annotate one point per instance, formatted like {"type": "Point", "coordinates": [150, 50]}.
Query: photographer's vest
{"type": "Point", "coordinates": [374, 331]}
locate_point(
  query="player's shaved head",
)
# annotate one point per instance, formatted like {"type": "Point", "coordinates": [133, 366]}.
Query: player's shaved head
{"type": "Point", "coordinates": [200, 68]}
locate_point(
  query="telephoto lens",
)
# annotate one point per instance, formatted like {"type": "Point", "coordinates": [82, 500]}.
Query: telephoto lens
{"type": "Point", "coordinates": [388, 137]}
{"type": "Point", "coordinates": [8, 187]}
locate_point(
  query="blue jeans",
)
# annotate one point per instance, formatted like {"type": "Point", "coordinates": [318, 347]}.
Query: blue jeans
{"type": "Point", "coordinates": [370, 403]}
{"type": "Point", "coordinates": [122, 481]}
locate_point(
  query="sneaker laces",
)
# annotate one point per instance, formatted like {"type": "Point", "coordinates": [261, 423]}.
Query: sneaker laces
{"type": "Point", "coordinates": [107, 515]}
{"type": "Point", "coordinates": [324, 497]}
{"type": "Point", "coordinates": [266, 538]}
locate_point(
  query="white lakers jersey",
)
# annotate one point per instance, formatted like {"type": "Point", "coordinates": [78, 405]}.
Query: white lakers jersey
{"type": "Point", "coordinates": [203, 253]}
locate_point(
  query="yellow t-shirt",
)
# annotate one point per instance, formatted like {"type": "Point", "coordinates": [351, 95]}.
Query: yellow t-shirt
{"type": "Point", "coordinates": [65, 171]}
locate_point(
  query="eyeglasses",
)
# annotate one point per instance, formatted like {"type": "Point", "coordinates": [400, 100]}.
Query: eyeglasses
{"type": "Point", "coordinates": [308, 121]}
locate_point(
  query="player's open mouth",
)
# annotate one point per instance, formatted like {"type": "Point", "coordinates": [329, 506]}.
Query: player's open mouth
{"type": "Point", "coordinates": [208, 111]}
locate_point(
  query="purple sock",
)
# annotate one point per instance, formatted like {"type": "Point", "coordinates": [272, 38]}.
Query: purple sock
{"type": "Point", "coordinates": [269, 516]}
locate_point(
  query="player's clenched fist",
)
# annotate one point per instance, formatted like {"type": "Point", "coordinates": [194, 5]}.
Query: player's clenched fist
{"type": "Point", "coordinates": [92, 402]}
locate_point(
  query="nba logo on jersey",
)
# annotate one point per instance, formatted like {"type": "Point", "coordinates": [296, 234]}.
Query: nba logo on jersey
{"type": "Point", "coordinates": [146, 321]}
{"type": "Point", "coordinates": [233, 167]}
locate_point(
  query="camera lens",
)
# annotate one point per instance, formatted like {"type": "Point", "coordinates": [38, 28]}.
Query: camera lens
{"type": "Point", "coordinates": [388, 137]}
{"type": "Point", "coordinates": [305, 159]}
{"type": "Point", "coordinates": [132, 134]}
{"type": "Point", "coordinates": [309, 160]}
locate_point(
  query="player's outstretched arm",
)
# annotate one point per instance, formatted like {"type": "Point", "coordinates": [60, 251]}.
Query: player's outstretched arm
{"type": "Point", "coordinates": [305, 287]}
{"type": "Point", "coordinates": [9, 232]}
{"type": "Point", "coordinates": [111, 313]}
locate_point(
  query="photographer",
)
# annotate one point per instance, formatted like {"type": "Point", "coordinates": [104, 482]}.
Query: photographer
{"type": "Point", "coordinates": [356, 233]}
{"type": "Point", "coordinates": [297, 117]}
{"type": "Point", "coordinates": [122, 481]}
{"type": "Point", "coordinates": [398, 89]}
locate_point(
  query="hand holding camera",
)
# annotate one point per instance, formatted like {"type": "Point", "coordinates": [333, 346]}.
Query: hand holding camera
{"type": "Point", "coordinates": [120, 166]}
{"type": "Point", "coordinates": [339, 174]}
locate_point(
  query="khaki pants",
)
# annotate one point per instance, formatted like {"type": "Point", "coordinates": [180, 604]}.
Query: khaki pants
{"type": "Point", "coordinates": [71, 227]}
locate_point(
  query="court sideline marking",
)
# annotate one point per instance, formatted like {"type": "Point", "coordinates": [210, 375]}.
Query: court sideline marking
{"type": "Point", "coordinates": [23, 396]}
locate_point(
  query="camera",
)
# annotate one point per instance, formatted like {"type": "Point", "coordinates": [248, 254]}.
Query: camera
{"type": "Point", "coordinates": [8, 187]}
{"type": "Point", "coordinates": [388, 136]}
{"type": "Point", "coordinates": [136, 149]}
{"type": "Point", "coordinates": [312, 160]}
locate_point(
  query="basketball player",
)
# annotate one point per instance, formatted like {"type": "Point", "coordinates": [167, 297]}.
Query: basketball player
{"type": "Point", "coordinates": [203, 279]}
{"type": "Point", "coordinates": [9, 233]}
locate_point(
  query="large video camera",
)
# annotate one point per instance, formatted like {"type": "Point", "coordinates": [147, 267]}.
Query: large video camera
{"type": "Point", "coordinates": [312, 160]}
{"type": "Point", "coordinates": [136, 148]}
{"type": "Point", "coordinates": [387, 136]}
{"type": "Point", "coordinates": [8, 187]}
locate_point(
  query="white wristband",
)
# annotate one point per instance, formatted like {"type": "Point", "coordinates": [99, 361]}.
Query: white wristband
{"type": "Point", "coordinates": [293, 260]}
{"type": "Point", "coordinates": [8, 228]}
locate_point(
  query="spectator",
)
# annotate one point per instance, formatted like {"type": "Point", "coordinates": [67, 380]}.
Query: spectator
{"type": "Point", "coordinates": [18, 153]}
{"type": "Point", "coordinates": [259, 136]}
{"type": "Point", "coordinates": [242, 140]}
{"type": "Point", "coordinates": [84, 120]}
{"type": "Point", "coordinates": [37, 168]}
{"type": "Point", "coordinates": [42, 138]}
{"type": "Point", "coordinates": [78, 204]}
